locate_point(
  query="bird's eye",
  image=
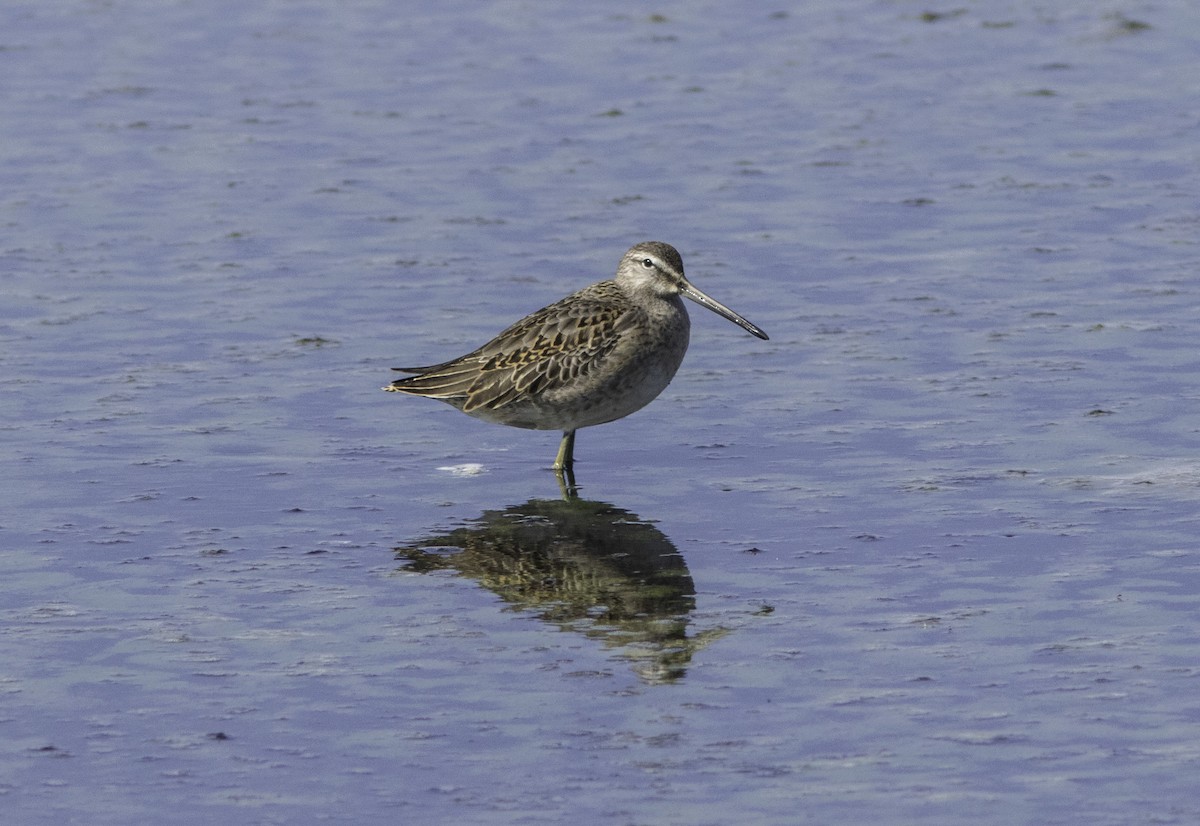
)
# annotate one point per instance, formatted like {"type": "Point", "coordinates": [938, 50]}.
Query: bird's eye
{"type": "Point", "coordinates": [648, 263]}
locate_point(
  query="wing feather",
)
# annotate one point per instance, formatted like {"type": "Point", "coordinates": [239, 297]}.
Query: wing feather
{"type": "Point", "coordinates": [543, 352]}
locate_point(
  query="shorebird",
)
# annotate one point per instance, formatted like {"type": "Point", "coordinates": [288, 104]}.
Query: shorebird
{"type": "Point", "coordinates": [595, 356]}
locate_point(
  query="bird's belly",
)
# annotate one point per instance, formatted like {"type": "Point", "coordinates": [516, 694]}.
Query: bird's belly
{"type": "Point", "coordinates": [622, 387]}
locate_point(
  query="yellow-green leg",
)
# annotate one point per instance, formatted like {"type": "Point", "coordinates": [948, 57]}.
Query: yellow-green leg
{"type": "Point", "coordinates": [566, 452]}
{"type": "Point", "coordinates": [562, 467]}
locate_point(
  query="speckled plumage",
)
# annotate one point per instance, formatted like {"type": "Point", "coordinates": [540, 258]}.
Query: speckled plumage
{"type": "Point", "coordinates": [595, 356]}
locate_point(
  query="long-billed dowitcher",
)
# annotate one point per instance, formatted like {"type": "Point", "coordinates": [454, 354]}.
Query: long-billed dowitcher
{"type": "Point", "coordinates": [595, 356]}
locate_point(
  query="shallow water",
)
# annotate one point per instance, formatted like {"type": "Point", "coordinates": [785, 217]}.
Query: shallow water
{"type": "Point", "coordinates": [926, 555]}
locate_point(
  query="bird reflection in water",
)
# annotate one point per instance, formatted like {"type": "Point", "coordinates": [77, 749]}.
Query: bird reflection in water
{"type": "Point", "coordinates": [584, 566]}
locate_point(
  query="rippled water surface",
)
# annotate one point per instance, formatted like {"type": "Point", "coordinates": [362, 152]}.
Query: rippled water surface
{"type": "Point", "coordinates": [927, 555]}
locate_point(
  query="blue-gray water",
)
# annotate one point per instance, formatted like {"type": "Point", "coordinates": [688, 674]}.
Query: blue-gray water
{"type": "Point", "coordinates": [929, 555]}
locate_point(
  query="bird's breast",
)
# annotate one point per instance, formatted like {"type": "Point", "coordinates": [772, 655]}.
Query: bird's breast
{"type": "Point", "coordinates": [632, 375]}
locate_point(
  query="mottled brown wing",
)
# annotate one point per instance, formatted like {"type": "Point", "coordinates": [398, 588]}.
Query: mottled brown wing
{"type": "Point", "coordinates": [547, 350]}
{"type": "Point", "coordinates": [542, 352]}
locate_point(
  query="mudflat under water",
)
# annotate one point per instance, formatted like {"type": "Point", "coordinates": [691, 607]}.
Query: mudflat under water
{"type": "Point", "coordinates": [928, 555]}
